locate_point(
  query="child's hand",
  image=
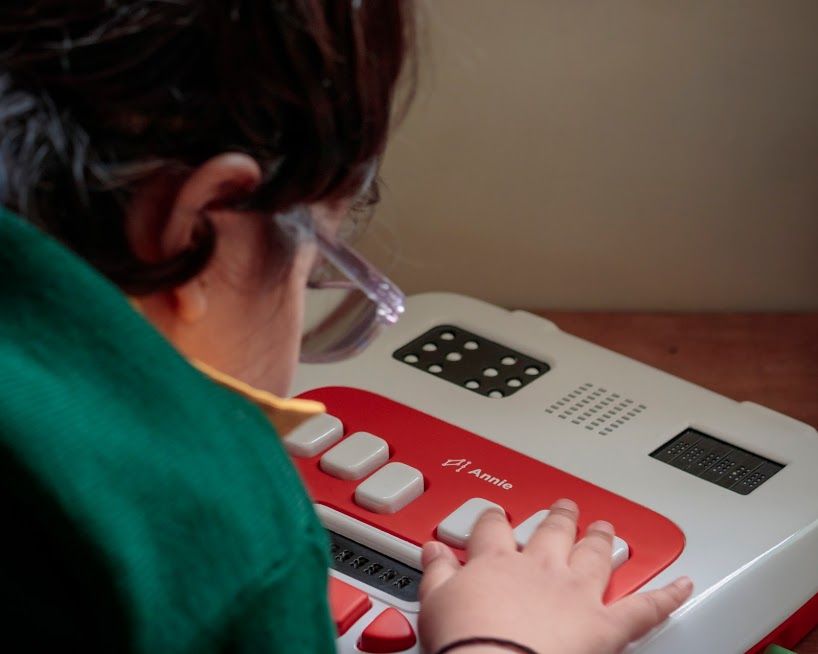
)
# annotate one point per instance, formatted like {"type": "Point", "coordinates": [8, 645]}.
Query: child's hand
{"type": "Point", "coordinates": [547, 597]}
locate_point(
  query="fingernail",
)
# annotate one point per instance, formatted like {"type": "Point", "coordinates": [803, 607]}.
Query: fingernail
{"type": "Point", "coordinates": [566, 504]}
{"type": "Point", "coordinates": [684, 584]}
{"type": "Point", "coordinates": [601, 525]}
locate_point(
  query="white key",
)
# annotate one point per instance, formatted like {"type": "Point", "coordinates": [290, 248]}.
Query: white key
{"type": "Point", "coordinates": [456, 528]}
{"type": "Point", "coordinates": [620, 552]}
{"type": "Point", "coordinates": [390, 489]}
{"type": "Point", "coordinates": [525, 530]}
{"type": "Point", "coordinates": [356, 456]}
{"type": "Point", "coordinates": [314, 436]}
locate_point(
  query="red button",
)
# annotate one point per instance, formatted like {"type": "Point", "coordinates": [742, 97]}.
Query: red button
{"type": "Point", "coordinates": [346, 604]}
{"type": "Point", "coordinates": [389, 632]}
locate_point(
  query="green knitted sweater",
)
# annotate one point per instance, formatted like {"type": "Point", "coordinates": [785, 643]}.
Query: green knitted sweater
{"type": "Point", "coordinates": [146, 508]}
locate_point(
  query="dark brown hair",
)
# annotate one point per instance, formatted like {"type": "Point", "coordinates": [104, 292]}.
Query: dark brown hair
{"type": "Point", "coordinates": [97, 96]}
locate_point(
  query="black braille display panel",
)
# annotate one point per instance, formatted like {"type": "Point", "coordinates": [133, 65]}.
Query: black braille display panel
{"type": "Point", "coordinates": [718, 462]}
{"type": "Point", "coordinates": [471, 361]}
{"type": "Point", "coordinates": [373, 568]}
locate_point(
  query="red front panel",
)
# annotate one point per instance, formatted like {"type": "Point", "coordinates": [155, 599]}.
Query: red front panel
{"type": "Point", "coordinates": [458, 465]}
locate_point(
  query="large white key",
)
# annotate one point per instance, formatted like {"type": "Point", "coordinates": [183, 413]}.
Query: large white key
{"type": "Point", "coordinates": [390, 489]}
{"type": "Point", "coordinates": [522, 534]}
{"type": "Point", "coordinates": [314, 436]}
{"type": "Point", "coordinates": [356, 456]}
{"type": "Point", "coordinates": [456, 528]}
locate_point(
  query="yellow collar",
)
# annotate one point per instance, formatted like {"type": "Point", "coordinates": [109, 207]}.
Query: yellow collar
{"type": "Point", "coordinates": [285, 414]}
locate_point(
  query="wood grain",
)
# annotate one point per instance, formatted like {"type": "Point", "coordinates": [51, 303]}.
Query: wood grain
{"type": "Point", "coordinates": [770, 359]}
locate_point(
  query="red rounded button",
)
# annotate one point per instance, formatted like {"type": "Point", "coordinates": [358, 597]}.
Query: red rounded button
{"type": "Point", "coordinates": [346, 604]}
{"type": "Point", "coordinates": [389, 632]}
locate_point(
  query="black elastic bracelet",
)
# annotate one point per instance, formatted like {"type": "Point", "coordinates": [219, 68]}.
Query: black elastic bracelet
{"type": "Point", "coordinates": [486, 640]}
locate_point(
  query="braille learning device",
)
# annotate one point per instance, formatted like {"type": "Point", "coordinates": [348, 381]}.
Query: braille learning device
{"type": "Point", "coordinates": [464, 405]}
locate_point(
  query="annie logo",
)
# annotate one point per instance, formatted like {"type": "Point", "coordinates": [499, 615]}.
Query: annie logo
{"type": "Point", "coordinates": [463, 464]}
{"type": "Point", "coordinates": [458, 463]}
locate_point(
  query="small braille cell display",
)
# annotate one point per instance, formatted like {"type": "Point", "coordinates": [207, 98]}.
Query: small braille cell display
{"type": "Point", "coordinates": [471, 361]}
{"type": "Point", "coordinates": [373, 568]}
{"type": "Point", "coordinates": [718, 462]}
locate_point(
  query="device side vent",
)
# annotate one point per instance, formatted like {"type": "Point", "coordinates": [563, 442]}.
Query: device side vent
{"type": "Point", "coordinates": [596, 409]}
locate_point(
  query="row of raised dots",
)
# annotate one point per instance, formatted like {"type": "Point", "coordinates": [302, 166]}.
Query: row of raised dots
{"type": "Point", "coordinates": [468, 345]}
{"type": "Point", "coordinates": [454, 357]}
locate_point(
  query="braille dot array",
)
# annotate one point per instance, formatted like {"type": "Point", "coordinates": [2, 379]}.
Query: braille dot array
{"type": "Point", "coordinates": [595, 408]}
{"type": "Point", "coordinates": [471, 361]}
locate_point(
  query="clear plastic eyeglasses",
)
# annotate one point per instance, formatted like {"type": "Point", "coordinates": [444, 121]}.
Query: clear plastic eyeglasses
{"type": "Point", "coordinates": [348, 303]}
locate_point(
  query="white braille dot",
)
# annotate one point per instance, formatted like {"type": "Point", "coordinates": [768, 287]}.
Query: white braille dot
{"type": "Point", "coordinates": [454, 356]}
{"type": "Point", "coordinates": [434, 368]}
{"type": "Point", "coordinates": [508, 361]}
{"type": "Point", "coordinates": [471, 345]}
{"type": "Point", "coordinates": [410, 358]}
{"type": "Point", "coordinates": [429, 347]}
{"type": "Point", "coordinates": [532, 370]}
{"type": "Point", "coordinates": [472, 384]}
{"type": "Point", "coordinates": [514, 382]}
{"type": "Point", "coordinates": [447, 336]}
{"type": "Point", "coordinates": [496, 394]}
{"type": "Point", "coordinates": [490, 372]}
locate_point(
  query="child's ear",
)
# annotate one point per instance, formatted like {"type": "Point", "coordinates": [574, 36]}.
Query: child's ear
{"type": "Point", "coordinates": [182, 207]}
{"type": "Point", "coordinates": [215, 182]}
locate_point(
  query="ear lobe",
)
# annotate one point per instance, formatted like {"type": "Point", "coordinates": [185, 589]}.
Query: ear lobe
{"type": "Point", "coordinates": [215, 182]}
{"type": "Point", "coordinates": [191, 300]}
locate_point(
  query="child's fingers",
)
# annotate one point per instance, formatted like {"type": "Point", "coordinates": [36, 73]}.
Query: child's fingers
{"type": "Point", "coordinates": [591, 557]}
{"type": "Point", "coordinates": [553, 539]}
{"type": "Point", "coordinates": [491, 533]}
{"type": "Point", "coordinates": [439, 564]}
{"type": "Point", "coordinates": [638, 614]}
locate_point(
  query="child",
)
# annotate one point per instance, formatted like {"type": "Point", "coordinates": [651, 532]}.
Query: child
{"type": "Point", "coordinates": [165, 166]}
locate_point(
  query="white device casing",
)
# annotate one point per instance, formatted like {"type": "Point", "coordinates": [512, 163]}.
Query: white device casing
{"type": "Point", "coordinates": [753, 558]}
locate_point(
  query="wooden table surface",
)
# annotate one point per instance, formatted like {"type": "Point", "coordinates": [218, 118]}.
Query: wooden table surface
{"type": "Point", "coordinates": [770, 358]}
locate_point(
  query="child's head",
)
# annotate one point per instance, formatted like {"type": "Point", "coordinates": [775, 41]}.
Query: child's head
{"type": "Point", "coordinates": [109, 109]}
{"type": "Point", "coordinates": [99, 95]}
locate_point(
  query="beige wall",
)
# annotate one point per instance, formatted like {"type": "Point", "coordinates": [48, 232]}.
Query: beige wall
{"type": "Point", "coordinates": [656, 154]}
